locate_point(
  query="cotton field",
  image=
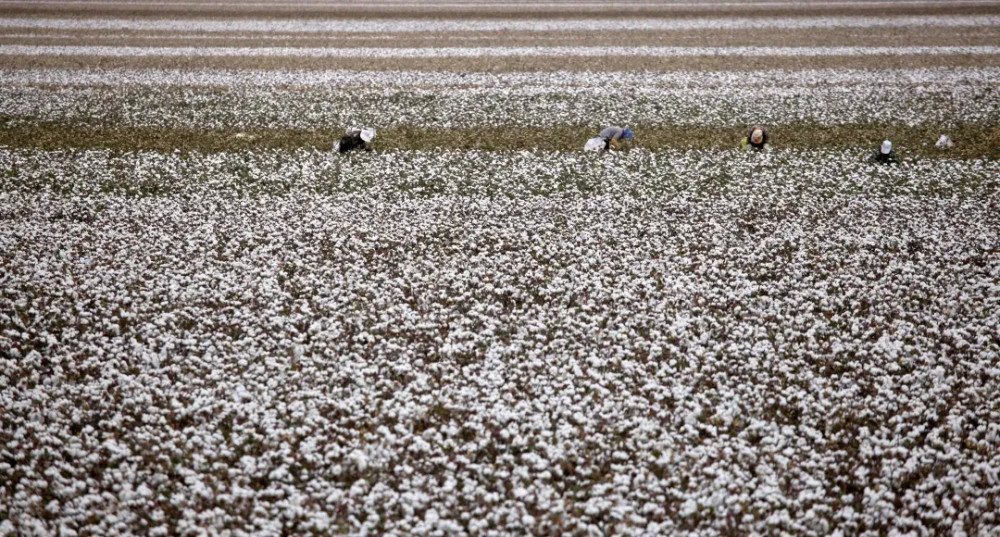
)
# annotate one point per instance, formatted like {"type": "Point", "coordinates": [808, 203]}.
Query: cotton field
{"type": "Point", "coordinates": [650, 343]}
{"type": "Point", "coordinates": [195, 100]}
{"type": "Point", "coordinates": [227, 337]}
{"type": "Point", "coordinates": [618, 24]}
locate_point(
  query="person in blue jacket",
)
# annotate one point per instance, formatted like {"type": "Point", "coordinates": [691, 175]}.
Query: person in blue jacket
{"type": "Point", "coordinates": [616, 136]}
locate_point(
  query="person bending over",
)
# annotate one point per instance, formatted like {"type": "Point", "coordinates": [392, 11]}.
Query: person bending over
{"type": "Point", "coordinates": [757, 139]}
{"type": "Point", "coordinates": [616, 136]}
{"type": "Point", "coordinates": [355, 139]}
{"type": "Point", "coordinates": [885, 154]}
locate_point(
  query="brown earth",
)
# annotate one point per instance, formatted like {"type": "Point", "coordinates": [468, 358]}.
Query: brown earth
{"type": "Point", "coordinates": [555, 9]}
{"type": "Point", "coordinates": [972, 140]}
{"type": "Point", "coordinates": [345, 10]}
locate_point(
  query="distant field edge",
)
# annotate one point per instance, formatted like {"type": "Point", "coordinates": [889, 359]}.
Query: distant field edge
{"type": "Point", "coordinates": [971, 140]}
{"type": "Point", "coordinates": [480, 10]}
{"type": "Point", "coordinates": [507, 64]}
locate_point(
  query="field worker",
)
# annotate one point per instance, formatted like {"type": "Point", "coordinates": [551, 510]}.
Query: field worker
{"type": "Point", "coordinates": [615, 137]}
{"type": "Point", "coordinates": [355, 138]}
{"type": "Point", "coordinates": [885, 154]}
{"type": "Point", "coordinates": [757, 139]}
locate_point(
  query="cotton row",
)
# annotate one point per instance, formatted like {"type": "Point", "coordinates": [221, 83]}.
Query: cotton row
{"type": "Point", "coordinates": [539, 107]}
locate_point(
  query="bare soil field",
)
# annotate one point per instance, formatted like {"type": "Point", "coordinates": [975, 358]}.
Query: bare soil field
{"type": "Point", "coordinates": [974, 140]}
{"type": "Point", "coordinates": [474, 10]}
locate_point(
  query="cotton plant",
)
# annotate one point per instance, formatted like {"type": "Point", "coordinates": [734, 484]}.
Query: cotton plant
{"type": "Point", "coordinates": [771, 183]}
{"type": "Point", "coordinates": [263, 27]}
{"type": "Point", "coordinates": [489, 342]}
{"type": "Point", "coordinates": [303, 100]}
{"type": "Point", "coordinates": [920, 78]}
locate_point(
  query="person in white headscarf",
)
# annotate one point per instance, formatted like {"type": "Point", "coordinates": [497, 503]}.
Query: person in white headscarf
{"type": "Point", "coordinates": [355, 138]}
{"type": "Point", "coordinates": [885, 154]}
{"type": "Point", "coordinates": [757, 138]}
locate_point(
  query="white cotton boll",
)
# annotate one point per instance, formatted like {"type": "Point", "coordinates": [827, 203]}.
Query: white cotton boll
{"type": "Point", "coordinates": [359, 488]}
{"type": "Point", "coordinates": [335, 497]}
{"type": "Point", "coordinates": [688, 508]}
{"type": "Point", "coordinates": [431, 517]}
{"type": "Point", "coordinates": [359, 460]}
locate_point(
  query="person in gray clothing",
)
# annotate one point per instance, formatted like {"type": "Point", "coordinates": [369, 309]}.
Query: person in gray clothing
{"type": "Point", "coordinates": [614, 136]}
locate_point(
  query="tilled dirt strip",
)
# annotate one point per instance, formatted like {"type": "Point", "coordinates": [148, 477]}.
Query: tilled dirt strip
{"type": "Point", "coordinates": [490, 10]}
{"type": "Point", "coordinates": [880, 37]}
{"type": "Point", "coordinates": [507, 64]}
{"type": "Point", "coordinates": [972, 140]}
